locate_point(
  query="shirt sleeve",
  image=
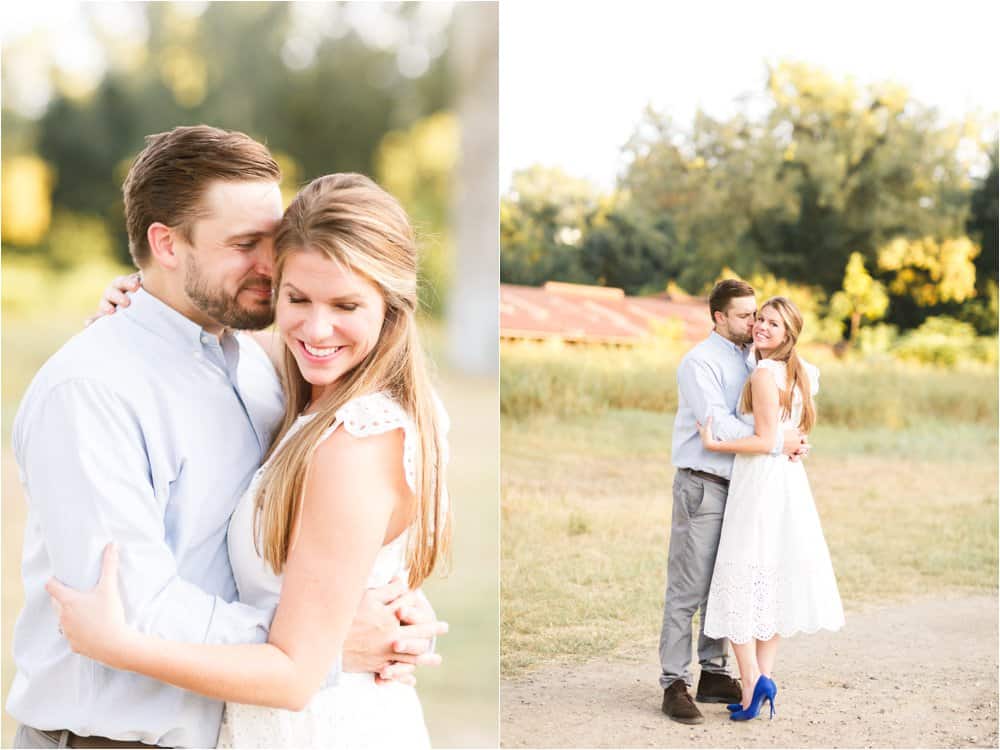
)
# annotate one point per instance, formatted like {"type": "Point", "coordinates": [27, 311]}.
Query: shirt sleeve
{"type": "Point", "coordinates": [88, 478]}
{"type": "Point", "coordinates": [701, 387]}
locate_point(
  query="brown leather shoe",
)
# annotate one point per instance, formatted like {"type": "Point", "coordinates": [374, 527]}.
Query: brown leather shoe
{"type": "Point", "coordinates": [718, 688]}
{"type": "Point", "coordinates": [677, 704]}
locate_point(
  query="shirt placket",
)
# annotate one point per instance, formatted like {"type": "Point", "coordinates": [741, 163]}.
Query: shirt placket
{"type": "Point", "coordinates": [223, 356]}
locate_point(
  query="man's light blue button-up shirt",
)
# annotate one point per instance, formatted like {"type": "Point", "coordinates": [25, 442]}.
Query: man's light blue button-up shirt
{"type": "Point", "coordinates": [143, 429]}
{"type": "Point", "coordinates": [710, 379]}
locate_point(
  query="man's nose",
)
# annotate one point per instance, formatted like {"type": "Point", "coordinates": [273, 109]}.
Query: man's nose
{"type": "Point", "coordinates": [264, 260]}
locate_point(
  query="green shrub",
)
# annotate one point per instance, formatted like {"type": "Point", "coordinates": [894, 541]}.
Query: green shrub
{"type": "Point", "coordinates": [945, 341]}
{"type": "Point", "coordinates": [877, 340]}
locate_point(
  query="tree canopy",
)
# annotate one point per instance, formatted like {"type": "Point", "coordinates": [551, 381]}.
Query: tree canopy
{"type": "Point", "coordinates": [829, 179]}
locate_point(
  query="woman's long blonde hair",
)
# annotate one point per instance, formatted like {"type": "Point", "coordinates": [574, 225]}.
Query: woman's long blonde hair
{"type": "Point", "coordinates": [796, 375]}
{"type": "Point", "coordinates": [355, 223]}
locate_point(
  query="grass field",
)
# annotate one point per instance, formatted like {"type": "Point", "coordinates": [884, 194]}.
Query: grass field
{"type": "Point", "coordinates": [572, 380]}
{"type": "Point", "coordinates": [908, 503]}
{"type": "Point", "coordinates": [460, 698]}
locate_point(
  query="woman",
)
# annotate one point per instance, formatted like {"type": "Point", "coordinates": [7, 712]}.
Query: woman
{"type": "Point", "coordinates": [348, 497]}
{"type": "Point", "coordinates": [772, 574]}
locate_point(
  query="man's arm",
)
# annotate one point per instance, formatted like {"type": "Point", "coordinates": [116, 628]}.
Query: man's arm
{"type": "Point", "coordinates": [701, 387]}
{"type": "Point", "coordinates": [88, 478]}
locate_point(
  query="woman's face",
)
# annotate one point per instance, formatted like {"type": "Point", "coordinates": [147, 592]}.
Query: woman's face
{"type": "Point", "coordinates": [769, 331]}
{"type": "Point", "coordinates": [329, 317]}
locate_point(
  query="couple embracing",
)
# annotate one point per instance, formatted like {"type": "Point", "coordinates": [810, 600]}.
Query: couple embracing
{"type": "Point", "coordinates": [248, 532]}
{"type": "Point", "coordinates": [746, 546]}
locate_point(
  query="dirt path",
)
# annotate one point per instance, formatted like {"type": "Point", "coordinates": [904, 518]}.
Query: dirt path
{"type": "Point", "coordinates": [918, 674]}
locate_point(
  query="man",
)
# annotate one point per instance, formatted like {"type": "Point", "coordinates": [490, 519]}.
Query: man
{"type": "Point", "coordinates": [145, 429]}
{"type": "Point", "coordinates": [710, 380]}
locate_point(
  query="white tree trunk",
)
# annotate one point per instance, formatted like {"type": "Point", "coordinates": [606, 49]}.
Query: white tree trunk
{"type": "Point", "coordinates": [473, 304]}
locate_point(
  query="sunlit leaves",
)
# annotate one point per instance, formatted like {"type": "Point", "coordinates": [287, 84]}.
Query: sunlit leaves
{"type": "Point", "coordinates": [27, 199]}
{"type": "Point", "coordinates": [861, 295]}
{"type": "Point", "coordinates": [930, 271]}
{"type": "Point", "coordinates": [417, 166]}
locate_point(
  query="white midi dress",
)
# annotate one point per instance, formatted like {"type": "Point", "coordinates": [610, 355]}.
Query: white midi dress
{"type": "Point", "coordinates": [773, 574]}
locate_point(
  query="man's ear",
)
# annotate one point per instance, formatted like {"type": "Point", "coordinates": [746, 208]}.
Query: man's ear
{"type": "Point", "coordinates": [715, 317]}
{"type": "Point", "coordinates": [161, 245]}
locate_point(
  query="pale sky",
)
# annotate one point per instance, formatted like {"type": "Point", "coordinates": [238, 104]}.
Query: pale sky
{"type": "Point", "coordinates": [575, 77]}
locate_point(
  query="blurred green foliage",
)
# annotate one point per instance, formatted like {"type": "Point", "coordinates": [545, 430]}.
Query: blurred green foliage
{"type": "Point", "coordinates": [329, 87]}
{"type": "Point", "coordinates": [946, 341]}
{"type": "Point", "coordinates": [862, 195]}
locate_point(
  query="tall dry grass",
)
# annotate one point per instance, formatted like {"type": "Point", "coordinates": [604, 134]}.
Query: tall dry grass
{"type": "Point", "coordinates": [574, 381]}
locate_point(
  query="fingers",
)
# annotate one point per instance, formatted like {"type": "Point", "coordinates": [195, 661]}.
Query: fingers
{"type": "Point", "coordinates": [396, 670]}
{"type": "Point", "coordinates": [406, 679]}
{"type": "Point", "coordinates": [115, 295]}
{"type": "Point", "coordinates": [391, 591]}
{"type": "Point", "coordinates": [109, 566]}
{"type": "Point", "coordinates": [424, 659]}
{"type": "Point", "coordinates": [127, 283]}
{"type": "Point", "coordinates": [412, 610]}
{"type": "Point", "coordinates": [428, 659]}
{"type": "Point", "coordinates": [59, 592]}
{"type": "Point", "coordinates": [411, 646]}
{"type": "Point", "coordinates": [424, 630]}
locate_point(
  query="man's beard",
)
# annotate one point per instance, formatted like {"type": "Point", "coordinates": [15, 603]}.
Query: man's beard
{"type": "Point", "coordinates": [222, 308]}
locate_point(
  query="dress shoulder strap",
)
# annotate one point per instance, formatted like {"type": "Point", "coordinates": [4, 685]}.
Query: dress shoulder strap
{"type": "Point", "coordinates": [376, 414]}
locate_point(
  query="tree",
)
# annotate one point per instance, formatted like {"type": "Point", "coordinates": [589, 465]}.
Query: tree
{"type": "Point", "coordinates": [931, 272]}
{"type": "Point", "coordinates": [417, 166]}
{"type": "Point", "coordinates": [623, 249]}
{"type": "Point", "coordinates": [543, 218]}
{"type": "Point", "coordinates": [861, 296]}
{"type": "Point", "coordinates": [983, 224]}
{"type": "Point", "coordinates": [830, 169]}
{"type": "Point", "coordinates": [712, 185]}
{"type": "Point", "coordinates": [312, 86]}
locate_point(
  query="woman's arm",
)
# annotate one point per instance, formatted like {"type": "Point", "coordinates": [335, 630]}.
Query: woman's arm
{"type": "Point", "coordinates": [335, 542]}
{"type": "Point", "coordinates": [766, 410]}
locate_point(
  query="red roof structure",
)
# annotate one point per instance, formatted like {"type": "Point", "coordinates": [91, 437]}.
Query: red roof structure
{"type": "Point", "coordinates": [595, 314]}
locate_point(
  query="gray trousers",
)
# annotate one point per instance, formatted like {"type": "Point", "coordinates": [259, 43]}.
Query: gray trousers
{"type": "Point", "coordinates": [30, 737]}
{"type": "Point", "coordinates": [694, 539]}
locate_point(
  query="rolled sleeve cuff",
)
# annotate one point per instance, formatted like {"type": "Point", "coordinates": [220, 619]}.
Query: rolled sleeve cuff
{"type": "Point", "coordinates": [779, 443]}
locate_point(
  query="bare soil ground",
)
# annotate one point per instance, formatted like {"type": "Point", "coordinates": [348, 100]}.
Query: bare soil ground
{"type": "Point", "coordinates": [922, 673]}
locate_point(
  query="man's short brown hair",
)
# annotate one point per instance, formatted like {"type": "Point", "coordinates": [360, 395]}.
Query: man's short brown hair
{"type": "Point", "coordinates": [724, 292]}
{"type": "Point", "coordinates": [168, 178]}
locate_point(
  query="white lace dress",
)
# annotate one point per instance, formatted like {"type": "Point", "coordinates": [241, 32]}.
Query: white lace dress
{"type": "Point", "coordinates": [772, 572]}
{"type": "Point", "coordinates": [354, 712]}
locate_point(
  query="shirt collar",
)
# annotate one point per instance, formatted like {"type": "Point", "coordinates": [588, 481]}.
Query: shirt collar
{"type": "Point", "coordinates": [720, 339]}
{"type": "Point", "coordinates": [156, 316]}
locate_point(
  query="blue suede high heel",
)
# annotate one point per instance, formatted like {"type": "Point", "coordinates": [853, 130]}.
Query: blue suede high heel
{"type": "Point", "coordinates": [764, 690]}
